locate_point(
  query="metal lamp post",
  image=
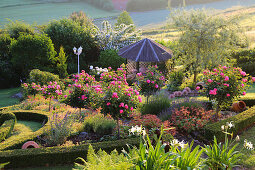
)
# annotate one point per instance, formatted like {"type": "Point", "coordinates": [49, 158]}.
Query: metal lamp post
{"type": "Point", "coordinates": [78, 52]}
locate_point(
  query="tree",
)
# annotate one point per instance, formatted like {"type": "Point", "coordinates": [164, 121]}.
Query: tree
{"type": "Point", "coordinates": [124, 18]}
{"type": "Point", "coordinates": [82, 19]}
{"type": "Point", "coordinates": [204, 38]}
{"type": "Point", "coordinates": [15, 29]}
{"type": "Point", "coordinates": [61, 63]}
{"type": "Point", "coordinates": [109, 38]}
{"type": "Point", "coordinates": [110, 58]}
{"type": "Point", "coordinates": [32, 51]}
{"type": "Point", "coordinates": [69, 34]}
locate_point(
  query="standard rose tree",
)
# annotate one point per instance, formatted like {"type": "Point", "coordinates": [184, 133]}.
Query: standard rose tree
{"type": "Point", "coordinates": [225, 84]}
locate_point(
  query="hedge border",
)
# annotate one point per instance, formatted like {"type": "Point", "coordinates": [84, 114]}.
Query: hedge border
{"type": "Point", "coordinates": [33, 115]}
{"type": "Point", "coordinates": [241, 121]}
{"type": "Point", "coordinates": [59, 155]}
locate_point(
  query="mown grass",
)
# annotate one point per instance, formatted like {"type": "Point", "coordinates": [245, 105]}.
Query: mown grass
{"type": "Point", "coordinates": [6, 98]}
{"type": "Point", "coordinates": [41, 12]}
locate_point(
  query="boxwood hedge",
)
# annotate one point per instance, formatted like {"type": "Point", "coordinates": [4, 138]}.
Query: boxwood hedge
{"type": "Point", "coordinates": [242, 121]}
{"type": "Point", "coordinates": [29, 115]}
{"type": "Point", "coordinates": [59, 155]}
{"type": "Point", "coordinates": [7, 122]}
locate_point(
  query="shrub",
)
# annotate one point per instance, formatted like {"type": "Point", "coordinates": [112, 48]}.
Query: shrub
{"type": "Point", "coordinates": [175, 80]}
{"type": "Point", "coordinates": [82, 19]}
{"type": "Point", "coordinates": [99, 124]}
{"type": "Point", "coordinates": [151, 81]}
{"type": "Point", "coordinates": [60, 127]}
{"type": "Point", "coordinates": [102, 160]}
{"type": "Point", "coordinates": [7, 123]}
{"type": "Point", "coordinates": [177, 104]}
{"type": "Point", "coordinates": [124, 18]}
{"type": "Point", "coordinates": [224, 84]}
{"type": "Point", "coordinates": [17, 28]}
{"type": "Point", "coordinates": [4, 116]}
{"type": "Point", "coordinates": [58, 155]}
{"type": "Point", "coordinates": [151, 122]}
{"type": "Point", "coordinates": [61, 63]}
{"type": "Point", "coordinates": [242, 121]}
{"type": "Point", "coordinates": [68, 33]}
{"type": "Point", "coordinates": [32, 51]}
{"type": "Point", "coordinates": [110, 58]}
{"type": "Point", "coordinates": [156, 104]}
{"type": "Point", "coordinates": [190, 119]}
{"type": "Point", "coordinates": [42, 77]}
{"type": "Point", "coordinates": [8, 76]}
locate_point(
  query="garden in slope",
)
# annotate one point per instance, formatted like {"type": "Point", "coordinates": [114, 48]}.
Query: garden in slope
{"type": "Point", "coordinates": [185, 113]}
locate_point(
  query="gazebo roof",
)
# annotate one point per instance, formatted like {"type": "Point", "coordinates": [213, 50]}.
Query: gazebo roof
{"type": "Point", "coordinates": [146, 50]}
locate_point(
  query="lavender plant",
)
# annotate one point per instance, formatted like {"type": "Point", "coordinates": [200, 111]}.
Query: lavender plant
{"type": "Point", "coordinates": [60, 129]}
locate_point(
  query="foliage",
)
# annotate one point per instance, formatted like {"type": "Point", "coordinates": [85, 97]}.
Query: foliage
{"type": "Point", "coordinates": [178, 104]}
{"type": "Point", "coordinates": [60, 129]}
{"type": "Point", "coordinates": [99, 124]}
{"type": "Point", "coordinates": [223, 156]}
{"type": "Point", "coordinates": [242, 121]}
{"type": "Point", "coordinates": [224, 84]}
{"type": "Point", "coordinates": [110, 58]}
{"type": "Point", "coordinates": [110, 38]}
{"type": "Point", "coordinates": [119, 100]}
{"type": "Point", "coordinates": [157, 103]}
{"type": "Point", "coordinates": [8, 75]}
{"type": "Point", "coordinates": [3, 164]}
{"type": "Point", "coordinates": [30, 89]}
{"type": "Point", "coordinates": [124, 18]}
{"type": "Point", "coordinates": [189, 157]}
{"type": "Point", "coordinates": [69, 34]}
{"type": "Point", "coordinates": [175, 80]}
{"type": "Point", "coordinates": [102, 160]}
{"type": "Point", "coordinates": [41, 77]}
{"type": "Point", "coordinates": [244, 59]}
{"type": "Point", "coordinates": [82, 19]}
{"type": "Point", "coordinates": [151, 122]}
{"type": "Point", "coordinates": [151, 81]}
{"type": "Point", "coordinates": [204, 38]}
{"type": "Point", "coordinates": [7, 123]}
{"type": "Point", "coordinates": [190, 119]}
{"type": "Point", "coordinates": [17, 28]}
{"type": "Point", "coordinates": [61, 63]}
{"type": "Point", "coordinates": [32, 51]}
{"type": "Point", "coordinates": [144, 5]}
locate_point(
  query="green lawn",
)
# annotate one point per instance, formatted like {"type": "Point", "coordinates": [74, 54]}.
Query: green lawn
{"type": "Point", "coordinates": [5, 97]}
{"type": "Point", "coordinates": [41, 12]}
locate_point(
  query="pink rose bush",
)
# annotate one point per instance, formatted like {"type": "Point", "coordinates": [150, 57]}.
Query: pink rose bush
{"type": "Point", "coordinates": [151, 81]}
{"type": "Point", "coordinates": [225, 84]}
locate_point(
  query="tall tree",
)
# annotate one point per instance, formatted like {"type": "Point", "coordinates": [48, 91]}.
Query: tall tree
{"type": "Point", "coordinates": [204, 38]}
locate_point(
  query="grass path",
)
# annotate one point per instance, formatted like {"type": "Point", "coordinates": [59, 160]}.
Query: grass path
{"type": "Point", "coordinates": [5, 97]}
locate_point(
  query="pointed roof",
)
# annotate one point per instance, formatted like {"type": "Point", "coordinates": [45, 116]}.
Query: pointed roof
{"type": "Point", "coordinates": [146, 50]}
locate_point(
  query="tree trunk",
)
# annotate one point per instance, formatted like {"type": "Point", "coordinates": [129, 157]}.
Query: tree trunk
{"type": "Point", "coordinates": [50, 104]}
{"type": "Point", "coordinates": [118, 127]}
{"type": "Point", "coordinates": [217, 112]}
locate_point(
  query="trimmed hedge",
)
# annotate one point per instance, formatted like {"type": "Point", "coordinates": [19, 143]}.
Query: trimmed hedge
{"type": "Point", "coordinates": [59, 155]}
{"type": "Point", "coordinates": [241, 121]}
{"type": "Point", "coordinates": [7, 122]}
{"type": "Point", "coordinates": [33, 115]}
{"type": "Point", "coordinates": [249, 101]}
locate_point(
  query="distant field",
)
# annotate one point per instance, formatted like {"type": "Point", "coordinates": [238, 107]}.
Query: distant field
{"type": "Point", "coordinates": [41, 12]}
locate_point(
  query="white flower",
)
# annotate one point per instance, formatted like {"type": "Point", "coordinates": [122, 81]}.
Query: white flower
{"type": "Point", "coordinates": [98, 73]}
{"type": "Point", "coordinates": [91, 67]}
{"type": "Point", "coordinates": [137, 130]}
{"type": "Point", "coordinates": [248, 145]}
{"type": "Point", "coordinates": [230, 124]}
{"type": "Point", "coordinates": [176, 143]}
{"type": "Point", "coordinates": [222, 127]}
{"type": "Point", "coordinates": [237, 138]}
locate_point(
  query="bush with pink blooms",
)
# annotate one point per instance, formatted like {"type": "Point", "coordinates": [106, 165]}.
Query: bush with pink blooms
{"type": "Point", "coordinates": [30, 89]}
{"type": "Point", "coordinates": [151, 81]}
{"type": "Point", "coordinates": [225, 84]}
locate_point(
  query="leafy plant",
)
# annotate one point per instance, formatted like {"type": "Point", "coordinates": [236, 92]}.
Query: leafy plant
{"type": "Point", "coordinates": [99, 124]}
{"type": "Point", "coordinates": [102, 160]}
{"type": "Point", "coordinates": [41, 77]}
{"type": "Point", "coordinates": [223, 155]}
{"type": "Point", "coordinates": [225, 84]}
{"type": "Point", "coordinates": [175, 80]}
{"type": "Point", "coordinates": [61, 63]}
{"type": "Point", "coordinates": [60, 129]}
